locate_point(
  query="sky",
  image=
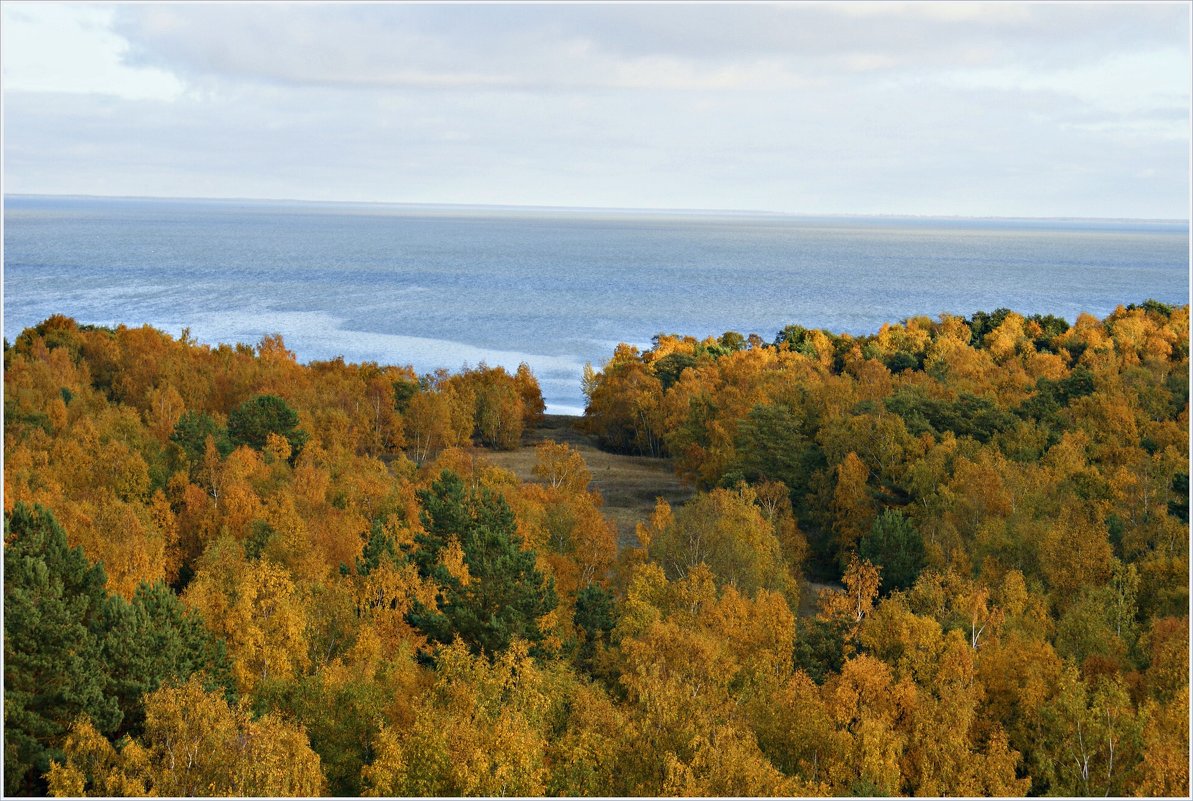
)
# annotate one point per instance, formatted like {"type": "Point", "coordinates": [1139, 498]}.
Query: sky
{"type": "Point", "coordinates": [954, 109]}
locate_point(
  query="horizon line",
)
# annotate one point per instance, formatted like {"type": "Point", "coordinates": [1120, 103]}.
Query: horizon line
{"type": "Point", "coordinates": [601, 209]}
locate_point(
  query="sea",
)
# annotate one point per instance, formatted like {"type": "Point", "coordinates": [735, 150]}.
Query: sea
{"type": "Point", "coordinates": [455, 286]}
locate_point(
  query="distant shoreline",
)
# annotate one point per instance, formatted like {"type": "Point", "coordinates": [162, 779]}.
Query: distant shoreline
{"type": "Point", "coordinates": [599, 210]}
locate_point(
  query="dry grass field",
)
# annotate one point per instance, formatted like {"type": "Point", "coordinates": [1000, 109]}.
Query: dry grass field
{"type": "Point", "coordinates": [630, 485]}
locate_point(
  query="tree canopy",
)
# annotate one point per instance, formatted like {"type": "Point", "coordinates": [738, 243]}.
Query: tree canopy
{"type": "Point", "coordinates": [946, 557]}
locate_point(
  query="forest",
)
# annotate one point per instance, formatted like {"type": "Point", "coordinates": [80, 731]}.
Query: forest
{"type": "Point", "coordinates": [227, 572]}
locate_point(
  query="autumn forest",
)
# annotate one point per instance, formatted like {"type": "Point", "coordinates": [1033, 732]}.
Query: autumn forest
{"type": "Point", "coordinates": [947, 558]}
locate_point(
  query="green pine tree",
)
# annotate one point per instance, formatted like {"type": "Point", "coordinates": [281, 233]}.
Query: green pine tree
{"type": "Point", "coordinates": [191, 433]}
{"type": "Point", "coordinates": [70, 649]}
{"type": "Point", "coordinates": [506, 594]}
{"type": "Point", "coordinates": [894, 545]}
{"type": "Point", "coordinates": [771, 446]}
{"type": "Point", "coordinates": [53, 672]}
{"type": "Point", "coordinates": [595, 617]}
{"type": "Point", "coordinates": [153, 641]}
{"type": "Point", "coordinates": [253, 421]}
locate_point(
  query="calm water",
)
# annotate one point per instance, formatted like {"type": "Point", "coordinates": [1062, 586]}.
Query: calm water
{"type": "Point", "coordinates": [447, 287]}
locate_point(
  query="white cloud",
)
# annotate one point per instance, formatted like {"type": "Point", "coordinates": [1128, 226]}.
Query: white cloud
{"type": "Point", "coordinates": [590, 46]}
{"type": "Point", "coordinates": [71, 48]}
{"type": "Point", "coordinates": [1006, 109]}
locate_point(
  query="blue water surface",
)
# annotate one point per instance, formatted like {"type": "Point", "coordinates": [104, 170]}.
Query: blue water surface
{"type": "Point", "coordinates": [444, 287]}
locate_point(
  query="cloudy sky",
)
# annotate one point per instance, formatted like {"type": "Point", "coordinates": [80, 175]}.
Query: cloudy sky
{"type": "Point", "coordinates": [1071, 109]}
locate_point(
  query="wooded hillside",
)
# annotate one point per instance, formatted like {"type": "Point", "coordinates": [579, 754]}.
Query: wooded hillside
{"type": "Point", "coordinates": [229, 573]}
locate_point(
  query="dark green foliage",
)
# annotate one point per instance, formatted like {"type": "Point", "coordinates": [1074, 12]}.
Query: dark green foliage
{"type": "Point", "coordinates": [342, 731]}
{"type": "Point", "coordinates": [404, 390]}
{"type": "Point", "coordinates": [253, 421]}
{"type": "Point", "coordinates": [1178, 507]}
{"type": "Point", "coordinates": [1088, 485]}
{"type": "Point", "coordinates": [792, 336]}
{"type": "Point", "coordinates": [982, 324]}
{"type": "Point", "coordinates": [894, 545]}
{"type": "Point", "coordinates": [1077, 384]}
{"type": "Point", "coordinates": [1114, 531]}
{"type": "Point", "coordinates": [52, 659]}
{"type": "Point", "coordinates": [595, 617]}
{"type": "Point", "coordinates": [669, 368]}
{"type": "Point", "coordinates": [153, 641]}
{"type": "Point", "coordinates": [903, 360]}
{"type": "Point", "coordinates": [973, 416]}
{"type": "Point", "coordinates": [1052, 396]}
{"type": "Point", "coordinates": [1178, 389]}
{"type": "Point", "coordinates": [771, 446]}
{"type": "Point", "coordinates": [257, 540]}
{"type": "Point", "coordinates": [379, 547]}
{"type": "Point", "coordinates": [594, 612]}
{"type": "Point", "coordinates": [445, 511]}
{"type": "Point", "coordinates": [191, 433]}
{"type": "Point", "coordinates": [967, 416]}
{"type": "Point", "coordinates": [1053, 327]}
{"type": "Point", "coordinates": [15, 419]}
{"type": "Point", "coordinates": [865, 787]}
{"type": "Point", "coordinates": [1075, 350]}
{"type": "Point", "coordinates": [796, 338]}
{"type": "Point", "coordinates": [506, 594]}
{"type": "Point", "coordinates": [819, 648]}
{"type": "Point", "coordinates": [1153, 306]}
{"type": "Point", "coordinates": [341, 722]}
{"type": "Point", "coordinates": [70, 649]}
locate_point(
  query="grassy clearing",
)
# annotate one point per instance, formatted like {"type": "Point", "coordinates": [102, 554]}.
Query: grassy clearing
{"type": "Point", "coordinates": [630, 485]}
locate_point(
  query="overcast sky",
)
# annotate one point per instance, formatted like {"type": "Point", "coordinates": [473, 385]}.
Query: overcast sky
{"type": "Point", "coordinates": [1001, 109]}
